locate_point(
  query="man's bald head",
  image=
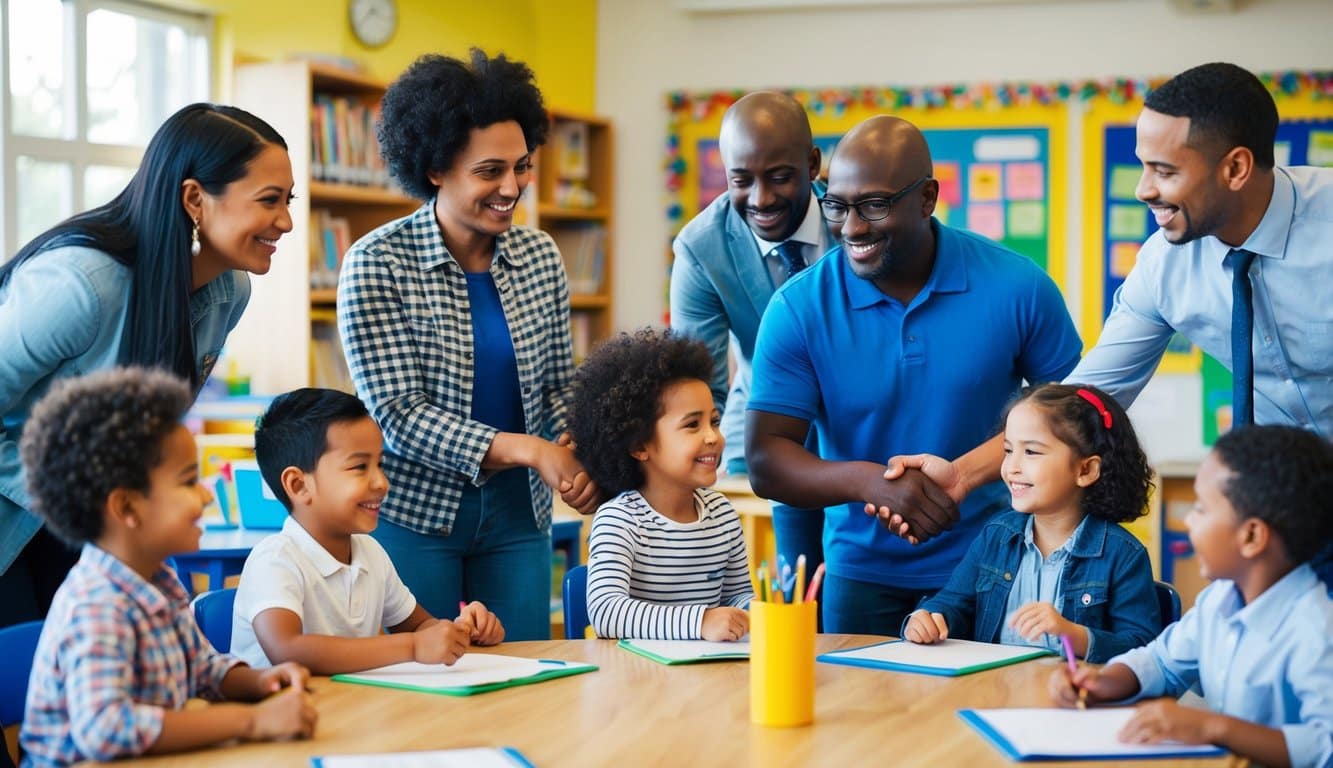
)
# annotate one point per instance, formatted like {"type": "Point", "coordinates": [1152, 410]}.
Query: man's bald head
{"type": "Point", "coordinates": [890, 142]}
{"type": "Point", "coordinates": [768, 114]}
{"type": "Point", "coordinates": [770, 160]}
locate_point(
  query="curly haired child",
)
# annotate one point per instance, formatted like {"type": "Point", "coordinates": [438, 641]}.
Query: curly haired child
{"type": "Point", "coordinates": [1059, 564]}
{"type": "Point", "coordinates": [666, 557]}
{"type": "Point", "coordinates": [110, 467]}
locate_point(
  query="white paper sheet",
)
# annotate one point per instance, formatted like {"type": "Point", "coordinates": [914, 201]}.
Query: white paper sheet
{"type": "Point", "coordinates": [1074, 733]}
{"type": "Point", "coordinates": [950, 654]}
{"type": "Point", "coordinates": [449, 758]}
{"type": "Point", "coordinates": [472, 670]}
{"type": "Point", "coordinates": [686, 650]}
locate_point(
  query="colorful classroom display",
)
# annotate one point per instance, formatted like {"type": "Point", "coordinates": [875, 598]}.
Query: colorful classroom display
{"type": "Point", "coordinates": [1004, 160]}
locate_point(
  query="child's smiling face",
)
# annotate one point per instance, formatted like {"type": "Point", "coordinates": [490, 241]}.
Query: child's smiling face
{"type": "Point", "coordinates": [686, 447]}
{"type": "Point", "coordinates": [168, 514]}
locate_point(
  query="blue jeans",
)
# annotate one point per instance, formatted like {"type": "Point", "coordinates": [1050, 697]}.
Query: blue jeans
{"type": "Point", "coordinates": [799, 532]}
{"type": "Point", "coordinates": [863, 608]}
{"type": "Point", "coordinates": [494, 554]}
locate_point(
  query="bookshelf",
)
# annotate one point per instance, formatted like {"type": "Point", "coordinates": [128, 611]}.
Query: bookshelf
{"type": "Point", "coordinates": [573, 204]}
{"type": "Point", "coordinates": [343, 191]}
{"type": "Point", "coordinates": [291, 314]}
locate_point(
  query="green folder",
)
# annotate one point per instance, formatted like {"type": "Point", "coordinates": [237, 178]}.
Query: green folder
{"type": "Point", "coordinates": [741, 652]}
{"type": "Point", "coordinates": [462, 681]}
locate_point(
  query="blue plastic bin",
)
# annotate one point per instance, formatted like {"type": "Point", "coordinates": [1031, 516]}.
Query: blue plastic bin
{"type": "Point", "coordinates": [258, 506]}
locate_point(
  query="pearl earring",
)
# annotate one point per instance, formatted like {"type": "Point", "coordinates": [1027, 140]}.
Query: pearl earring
{"type": "Point", "coordinates": [194, 240]}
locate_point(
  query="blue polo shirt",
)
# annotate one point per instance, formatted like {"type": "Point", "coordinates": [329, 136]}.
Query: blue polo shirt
{"type": "Point", "coordinates": [877, 378]}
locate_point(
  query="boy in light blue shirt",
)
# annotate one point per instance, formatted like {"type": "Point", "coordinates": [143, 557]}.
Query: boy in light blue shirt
{"type": "Point", "coordinates": [1256, 644]}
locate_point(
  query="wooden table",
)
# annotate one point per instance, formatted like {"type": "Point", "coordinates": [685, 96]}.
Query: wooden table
{"type": "Point", "coordinates": [635, 712]}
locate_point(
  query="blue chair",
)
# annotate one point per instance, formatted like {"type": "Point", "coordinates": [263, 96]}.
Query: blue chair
{"type": "Point", "coordinates": [212, 612]}
{"type": "Point", "coordinates": [18, 645]}
{"type": "Point", "coordinates": [574, 595]}
{"type": "Point", "coordinates": [1168, 603]}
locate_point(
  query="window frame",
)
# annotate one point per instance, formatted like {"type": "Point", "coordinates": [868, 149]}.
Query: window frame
{"type": "Point", "coordinates": [77, 152]}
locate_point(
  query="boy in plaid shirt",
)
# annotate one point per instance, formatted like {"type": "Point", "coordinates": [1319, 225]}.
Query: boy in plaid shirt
{"type": "Point", "coordinates": [110, 467]}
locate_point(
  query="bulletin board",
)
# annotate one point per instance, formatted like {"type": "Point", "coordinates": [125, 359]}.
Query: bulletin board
{"type": "Point", "coordinates": [1001, 170]}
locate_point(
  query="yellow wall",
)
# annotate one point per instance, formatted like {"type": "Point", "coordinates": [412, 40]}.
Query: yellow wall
{"type": "Point", "coordinates": [557, 38]}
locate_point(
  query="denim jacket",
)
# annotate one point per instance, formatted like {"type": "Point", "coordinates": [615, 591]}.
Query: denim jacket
{"type": "Point", "coordinates": [62, 314]}
{"type": "Point", "coordinates": [1106, 586]}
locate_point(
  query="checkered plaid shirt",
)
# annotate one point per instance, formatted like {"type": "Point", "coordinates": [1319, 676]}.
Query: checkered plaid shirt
{"type": "Point", "coordinates": [406, 327]}
{"type": "Point", "coordinates": [115, 653]}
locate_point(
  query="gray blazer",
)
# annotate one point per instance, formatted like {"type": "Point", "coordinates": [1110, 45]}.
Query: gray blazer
{"type": "Point", "coordinates": [720, 287]}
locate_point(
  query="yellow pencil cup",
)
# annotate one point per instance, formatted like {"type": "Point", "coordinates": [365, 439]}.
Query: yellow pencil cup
{"type": "Point", "coordinates": [782, 663]}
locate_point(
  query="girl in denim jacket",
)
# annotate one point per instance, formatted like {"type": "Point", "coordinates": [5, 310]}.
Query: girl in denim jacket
{"type": "Point", "coordinates": [1059, 564]}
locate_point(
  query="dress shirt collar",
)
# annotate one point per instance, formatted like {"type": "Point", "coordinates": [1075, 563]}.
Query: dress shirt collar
{"type": "Point", "coordinates": [1269, 239]}
{"type": "Point", "coordinates": [1265, 615]}
{"type": "Point", "coordinates": [1074, 545]}
{"type": "Point", "coordinates": [325, 563]}
{"type": "Point", "coordinates": [157, 596]}
{"type": "Point", "coordinates": [432, 253]}
{"type": "Point", "coordinates": [812, 231]}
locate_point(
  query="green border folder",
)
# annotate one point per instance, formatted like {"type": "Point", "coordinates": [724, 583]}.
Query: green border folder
{"type": "Point", "coordinates": [706, 652]}
{"type": "Point", "coordinates": [472, 672]}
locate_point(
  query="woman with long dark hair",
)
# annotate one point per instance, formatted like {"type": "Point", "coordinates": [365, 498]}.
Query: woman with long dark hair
{"type": "Point", "coordinates": [156, 277]}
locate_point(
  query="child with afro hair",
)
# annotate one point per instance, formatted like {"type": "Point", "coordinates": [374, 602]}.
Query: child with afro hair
{"type": "Point", "coordinates": [666, 557]}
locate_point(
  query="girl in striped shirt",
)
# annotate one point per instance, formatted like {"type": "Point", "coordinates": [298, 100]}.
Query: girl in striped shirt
{"type": "Point", "coordinates": [666, 557]}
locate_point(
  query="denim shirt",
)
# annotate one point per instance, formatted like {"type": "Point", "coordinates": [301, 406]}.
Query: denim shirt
{"type": "Point", "coordinates": [62, 314]}
{"type": "Point", "coordinates": [1106, 586]}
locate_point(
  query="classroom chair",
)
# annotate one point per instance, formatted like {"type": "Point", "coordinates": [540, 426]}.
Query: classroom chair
{"type": "Point", "coordinates": [574, 595]}
{"type": "Point", "coordinates": [18, 645]}
{"type": "Point", "coordinates": [1168, 603]}
{"type": "Point", "coordinates": [212, 612]}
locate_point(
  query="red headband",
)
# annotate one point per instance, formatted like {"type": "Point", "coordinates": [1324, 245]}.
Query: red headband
{"type": "Point", "coordinates": [1097, 403]}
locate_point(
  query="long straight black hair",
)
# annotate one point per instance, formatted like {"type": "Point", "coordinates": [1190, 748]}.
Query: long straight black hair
{"type": "Point", "coordinates": [146, 228]}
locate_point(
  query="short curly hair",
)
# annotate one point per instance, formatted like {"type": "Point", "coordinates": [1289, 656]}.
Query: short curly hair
{"type": "Point", "coordinates": [428, 113]}
{"type": "Point", "coordinates": [618, 399]}
{"type": "Point", "coordinates": [94, 434]}
{"type": "Point", "coordinates": [1120, 494]}
{"type": "Point", "coordinates": [1283, 476]}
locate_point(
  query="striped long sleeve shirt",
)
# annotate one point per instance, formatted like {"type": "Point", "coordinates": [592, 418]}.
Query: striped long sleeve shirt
{"type": "Point", "coordinates": [653, 578]}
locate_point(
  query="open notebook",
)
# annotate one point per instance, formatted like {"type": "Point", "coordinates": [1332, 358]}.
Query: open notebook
{"type": "Point", "coordinates": [687, 651]}
{"type": "Point", "coordinates": [949, 658]}
{"type": "Point", "coordinates": [480, 757]}
{"type": "Point", "coordinates": [474, 673]}
{"type": "Point", "coordinates": [1070, 734]}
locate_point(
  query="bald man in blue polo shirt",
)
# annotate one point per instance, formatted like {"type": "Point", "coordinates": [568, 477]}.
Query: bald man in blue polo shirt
{"type": "Point", "coordinates": [910, 337]}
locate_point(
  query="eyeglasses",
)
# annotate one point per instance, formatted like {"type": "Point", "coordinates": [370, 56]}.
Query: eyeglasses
{"type": "Point", "coordinates": [869, 209]}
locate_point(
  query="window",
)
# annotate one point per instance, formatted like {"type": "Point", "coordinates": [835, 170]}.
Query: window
{"type": "Point", "coordinates": [85, 85]}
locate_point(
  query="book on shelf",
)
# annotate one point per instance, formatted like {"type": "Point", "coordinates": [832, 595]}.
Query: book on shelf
{"type": "Point", "coordinates": [330, 239]}
{"type": "Point", "coordinates": [582, 246]}
{"type": "Point", "coordinates": [343, 148]}
{"type": "Point", "coordinates": [328, 362]}
{"type": "Point", "coordinates": [581, 332]}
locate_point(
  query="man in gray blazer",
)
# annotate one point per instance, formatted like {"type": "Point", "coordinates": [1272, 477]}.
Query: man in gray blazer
{"type": "Point", "coordinates": [732, 257]}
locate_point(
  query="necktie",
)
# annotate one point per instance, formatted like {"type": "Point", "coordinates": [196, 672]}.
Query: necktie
{"type": "Point", "coordinates": [790, 253]}
{"type": "Point", "coordinates": [1242, 331]}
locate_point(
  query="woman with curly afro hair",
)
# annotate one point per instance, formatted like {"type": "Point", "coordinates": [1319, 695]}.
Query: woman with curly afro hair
{"type": "Point", "coordinates": [666, 557]}
{"type": "Point", "coordinates": [455, 324]}
{"type": "Point", "coordinates": [1075, 470]}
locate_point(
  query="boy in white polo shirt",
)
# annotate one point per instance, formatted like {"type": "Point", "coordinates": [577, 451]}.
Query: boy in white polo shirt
{"type": "Point", "coordinates": [320, 591]}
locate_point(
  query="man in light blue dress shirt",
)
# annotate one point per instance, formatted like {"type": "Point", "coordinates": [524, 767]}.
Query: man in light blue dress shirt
{"type": "Point", "coordinates": [1205, 139]}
